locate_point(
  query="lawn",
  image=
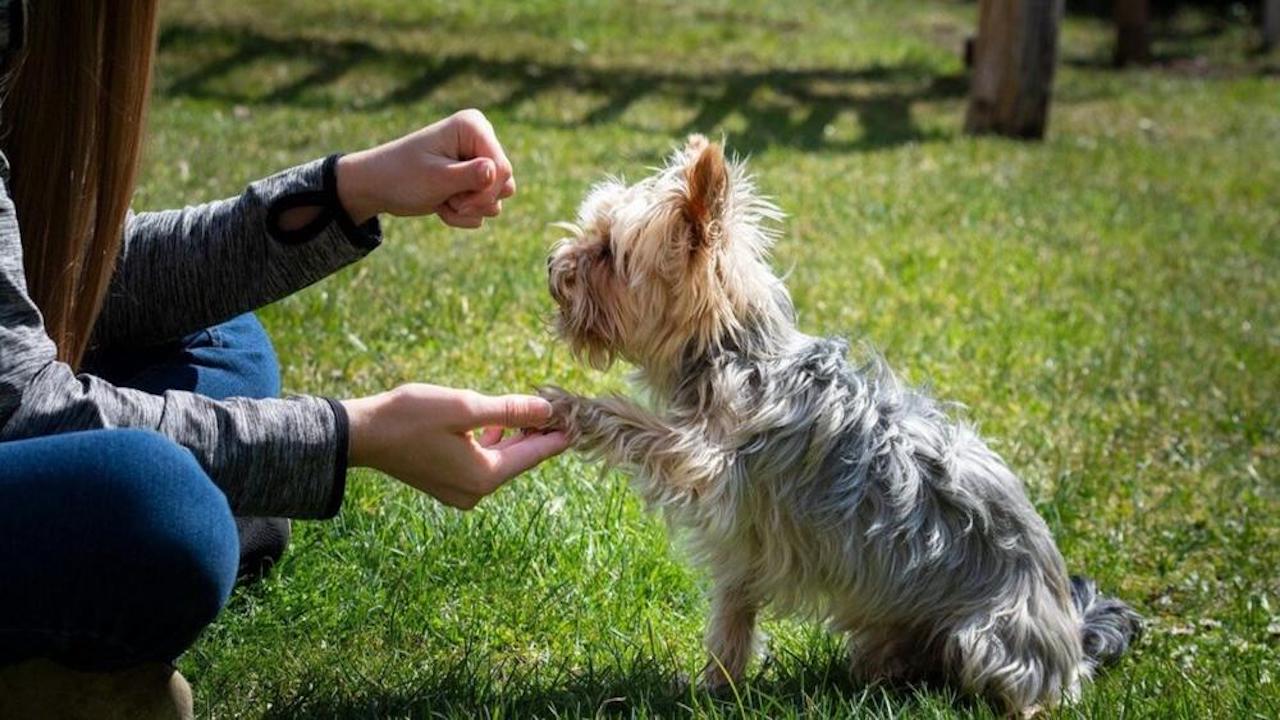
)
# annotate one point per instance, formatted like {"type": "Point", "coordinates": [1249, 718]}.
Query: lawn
{"type": "Point", "coordinates": [1105, 303]}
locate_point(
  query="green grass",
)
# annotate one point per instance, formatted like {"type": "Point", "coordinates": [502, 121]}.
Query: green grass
{"type": "Point", "coordinates": [1106, 304]}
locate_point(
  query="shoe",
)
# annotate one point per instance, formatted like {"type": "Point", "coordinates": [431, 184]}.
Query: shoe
{"type": "Point", "coordinates": [262, 543]}
{"type": "Point", "coordinates": [45, 690]}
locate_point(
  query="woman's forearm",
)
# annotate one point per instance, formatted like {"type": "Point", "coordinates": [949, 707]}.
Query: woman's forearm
{"type": "Point", "coordinates": [183, 270]}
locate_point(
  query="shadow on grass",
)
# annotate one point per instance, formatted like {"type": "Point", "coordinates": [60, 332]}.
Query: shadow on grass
{"type": "Point", "coordinates": [645, 687]}
{"type": "Point", "coordinates": [1184, 44]}
{"type": "Point", "coordinates": [785, 107]}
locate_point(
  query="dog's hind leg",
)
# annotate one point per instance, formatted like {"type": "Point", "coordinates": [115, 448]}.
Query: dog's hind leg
{"type": "Point", "coordinates": [894, 654]}
{"type": "Point", "coordinates": [1019, 662]}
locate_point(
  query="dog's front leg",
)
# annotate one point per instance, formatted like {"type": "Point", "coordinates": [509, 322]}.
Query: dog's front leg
{"type": "Point", "coordinates": [673, 463]}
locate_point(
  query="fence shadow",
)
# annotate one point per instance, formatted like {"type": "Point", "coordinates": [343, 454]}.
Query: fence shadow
{"type": "Point", "coordinates": [1183, 45]}
{"type": "Point", "coordinates": [787, 107]}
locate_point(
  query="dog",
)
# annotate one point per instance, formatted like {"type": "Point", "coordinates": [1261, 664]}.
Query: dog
{"type": "Point", "coordinates": [805, 484]}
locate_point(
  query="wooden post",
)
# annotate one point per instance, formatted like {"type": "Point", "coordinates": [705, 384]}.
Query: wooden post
{"type": "Point", "coordinates": [1133, 35]}
{"type": "Point", "coordinates": [1014, 59]}
{"type": "Point", "coordinates": [1270, 24]}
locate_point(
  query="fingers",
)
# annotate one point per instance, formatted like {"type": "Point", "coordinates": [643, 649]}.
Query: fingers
{"type": "Point", "coordinates": [508, 188]}
{"type": "Point", "coordinates": [457, 213]}
{"type": "Point", "coordinates": [491, 436]}
{"type": "Point", "coordinates": [529, 450]}
{"type": "Point", "coordinates": [497, 438]}
{"type": "Point", "coordinates": [463, 219]}
{"type": "Point", "coordinates": [453, 218]}
{"type": "Point", "coordinates": [453, 444]}
{"type": "Point", "coordinates": [499, 462]}
{"type": "Point", "coordinates": [472, 175]}
{"type": "Point", "coordinates": [472, 203]}
{"type": "Point", "coordinates": [508, 440]}
{"type": "Point", "coordinates": [512, 411]}
{"type": "Point", "coordinates": [472, 182]}
{"type": "Point", "coordinates": [476, 138]}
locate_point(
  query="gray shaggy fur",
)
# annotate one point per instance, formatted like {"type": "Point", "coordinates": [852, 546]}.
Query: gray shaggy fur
{"type": "Point", "coordinates": [807, 484]}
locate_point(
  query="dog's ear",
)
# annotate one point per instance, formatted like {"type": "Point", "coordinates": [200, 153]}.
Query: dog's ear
{"type": "Point", "coordinates": [694, 144]}
{"type": "Point", "coordinates": [707, 182]}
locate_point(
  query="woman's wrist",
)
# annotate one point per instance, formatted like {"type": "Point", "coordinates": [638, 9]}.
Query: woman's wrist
{"type": "Point", "coordinates": [361, 415]}
{"type": "Point", "coordinates": [352, 175]}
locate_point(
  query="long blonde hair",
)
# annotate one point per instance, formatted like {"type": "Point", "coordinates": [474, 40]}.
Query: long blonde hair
{"type": "Point", "coordinates": [71, 125]}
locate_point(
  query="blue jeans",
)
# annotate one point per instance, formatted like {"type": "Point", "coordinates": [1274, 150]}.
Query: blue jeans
{"type": "Point", "coordinates": [115, 547]}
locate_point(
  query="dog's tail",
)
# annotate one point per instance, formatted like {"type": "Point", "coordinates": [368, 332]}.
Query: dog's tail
{"type": "Point", "coordinates": [1108, 625]}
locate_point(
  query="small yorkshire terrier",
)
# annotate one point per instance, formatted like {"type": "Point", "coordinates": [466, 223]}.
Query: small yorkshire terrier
{"type": "Point", "coordinates": [807, 484]}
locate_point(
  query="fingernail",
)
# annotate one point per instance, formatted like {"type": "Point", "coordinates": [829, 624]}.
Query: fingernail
{"type": "Point", "coordinates": [544, 407]}
{"type": "Point", "coordinates": [486, 172]}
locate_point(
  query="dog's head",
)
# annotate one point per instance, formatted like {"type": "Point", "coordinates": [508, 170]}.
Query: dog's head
{"type": "Point", "coordinates": [674, 264]}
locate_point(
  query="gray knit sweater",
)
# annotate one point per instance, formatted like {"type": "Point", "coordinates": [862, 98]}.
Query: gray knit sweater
{"type": "Point", "coordinates": [180, 271]}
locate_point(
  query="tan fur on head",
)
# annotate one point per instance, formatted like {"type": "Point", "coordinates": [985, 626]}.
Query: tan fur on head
{"type": "Point", "coordinates": [669, 267]}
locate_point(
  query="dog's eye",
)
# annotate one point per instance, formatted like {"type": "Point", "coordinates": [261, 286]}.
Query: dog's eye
{"type": "Point", "coordinates": [606, 249]}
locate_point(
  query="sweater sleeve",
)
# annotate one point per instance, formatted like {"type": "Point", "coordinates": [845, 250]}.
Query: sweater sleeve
{"type": "Point", "coordinates": [183, 270]}
{"type": "Point", "coordinates": [270, 457]}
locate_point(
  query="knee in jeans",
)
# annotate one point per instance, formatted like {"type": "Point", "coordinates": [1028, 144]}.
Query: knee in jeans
{"type": "Point", "coordinates": [173, 521]}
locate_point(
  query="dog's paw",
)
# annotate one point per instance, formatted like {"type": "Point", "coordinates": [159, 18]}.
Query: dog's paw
{"type": "Point", "coordinates": [715, 683]}
{"type": "Point", "coordinates": [563, 406]}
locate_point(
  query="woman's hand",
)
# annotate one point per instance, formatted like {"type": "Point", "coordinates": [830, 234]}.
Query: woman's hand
{"type": "Point", "coordinates": [449, 443]}
{"type": "Point", "coordinates": [455, 168]}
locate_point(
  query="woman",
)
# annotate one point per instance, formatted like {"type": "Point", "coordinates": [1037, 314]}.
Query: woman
{"type": "Point", "coordinates": [128, 435]}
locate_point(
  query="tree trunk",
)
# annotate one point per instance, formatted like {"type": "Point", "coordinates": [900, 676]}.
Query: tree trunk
{"type": "Point", "coordinates": [1270, 24]}
{"type": "Point", "coordinates": [1133, 34]}
{"type": "Point", "coordinates": [1013, 64]}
